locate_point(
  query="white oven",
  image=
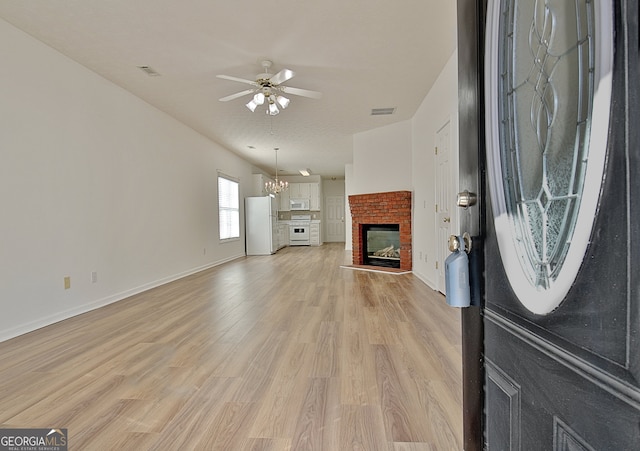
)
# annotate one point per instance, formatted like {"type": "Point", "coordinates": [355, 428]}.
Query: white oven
{"type": "Point", "coordinates": [299, 230]}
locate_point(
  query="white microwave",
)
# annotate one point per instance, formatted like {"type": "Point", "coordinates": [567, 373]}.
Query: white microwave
{"type": "Point", "coordinates": [299, 204]}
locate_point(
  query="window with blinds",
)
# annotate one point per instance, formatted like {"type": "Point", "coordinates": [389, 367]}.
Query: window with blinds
{"type": "Point", "coordinates": [228, 208]}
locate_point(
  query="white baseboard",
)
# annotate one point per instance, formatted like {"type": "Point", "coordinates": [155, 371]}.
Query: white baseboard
{"type": "Point", "coordinates": [430, 283]}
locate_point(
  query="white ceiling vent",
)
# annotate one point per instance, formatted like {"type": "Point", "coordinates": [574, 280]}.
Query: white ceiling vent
{"type": "Point", "coordinates": [382, 111]}
{"type": "Point", "coordinates": [151, 72]}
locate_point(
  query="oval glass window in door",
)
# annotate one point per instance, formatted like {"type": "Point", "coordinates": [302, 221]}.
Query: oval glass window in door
{"type": "Point", "coordinates": [548, 91]}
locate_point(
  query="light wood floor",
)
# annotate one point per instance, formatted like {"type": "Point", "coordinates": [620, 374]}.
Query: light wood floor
{"type": "Point", "coordinates": [285, 352]}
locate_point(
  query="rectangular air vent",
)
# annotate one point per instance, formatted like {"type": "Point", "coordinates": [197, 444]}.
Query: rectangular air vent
{"type": "Point", "coordinates": [149, 71]}
{"type": "Point", "coordinates": [382, 111]}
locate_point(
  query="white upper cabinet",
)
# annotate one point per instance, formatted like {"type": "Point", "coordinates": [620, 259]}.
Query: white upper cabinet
{"type": "Point", "coordinates": [299, 190]}
{"type": "Point", "coordinates": [314, 196]}
{"type": "Point", "coordinates": [284, 199]}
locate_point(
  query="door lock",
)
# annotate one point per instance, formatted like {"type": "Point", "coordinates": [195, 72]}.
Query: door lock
{"type": "Point", "coordinates": [466, 199]}
{"type": "Point", "coordinates": [456, 271]}
{"type": "Point", "coordinates": [454, 243]}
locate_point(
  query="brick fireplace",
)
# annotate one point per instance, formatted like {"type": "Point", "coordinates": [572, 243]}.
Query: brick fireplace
{"type": "Point", "coordinates": [381, 208]}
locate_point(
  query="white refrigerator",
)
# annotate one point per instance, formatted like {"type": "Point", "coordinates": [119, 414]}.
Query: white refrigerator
{"type": "Point", "coordinates": [260, 225]}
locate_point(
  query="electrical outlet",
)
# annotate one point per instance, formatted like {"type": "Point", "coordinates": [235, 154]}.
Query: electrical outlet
{"type": "Point", "coordinates": [94, 276]}
{"type": "Point", "coordinates": [67, 282]}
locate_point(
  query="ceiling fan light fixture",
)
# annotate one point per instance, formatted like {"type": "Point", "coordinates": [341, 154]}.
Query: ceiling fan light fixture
{"type": "Point", "coordinates": [252, 105]}
{"type": "Point", "coordinates": [267, 89]}
{"type": "Point", "coordinates": [283, 101]}
{"type": "Point", "coordinates": [259, 98]}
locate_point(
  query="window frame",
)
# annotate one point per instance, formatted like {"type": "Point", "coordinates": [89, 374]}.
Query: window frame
{"type": "Point", "coordinates": [222, 208]}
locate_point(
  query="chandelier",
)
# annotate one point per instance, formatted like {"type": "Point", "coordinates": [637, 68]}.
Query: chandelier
{"type": "Point", "coordinates": [277, 186]}
{"type": "Point", "coordinates": [272, 100]}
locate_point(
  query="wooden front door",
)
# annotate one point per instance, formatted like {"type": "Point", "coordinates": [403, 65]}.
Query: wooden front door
{"type": "Point", "coordinates": [556, 103]}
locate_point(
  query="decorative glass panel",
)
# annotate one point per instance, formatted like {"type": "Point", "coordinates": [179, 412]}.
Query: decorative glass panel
{"type": "Point", "coordinates": [548, 79]}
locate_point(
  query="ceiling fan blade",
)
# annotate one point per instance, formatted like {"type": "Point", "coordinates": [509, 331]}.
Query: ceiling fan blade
{"type": "Point", "coordinates": [301, 92]}
{"type": "Point", "coordinates": [241, 80]}
{"type": "Point", "coordinates": [237, 94]}
{"type": "Point", "coordinates": [282, 76]}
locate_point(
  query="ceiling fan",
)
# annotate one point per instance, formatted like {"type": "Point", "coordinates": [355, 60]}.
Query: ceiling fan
{"type": "Point", "coordinates": [268, 88]}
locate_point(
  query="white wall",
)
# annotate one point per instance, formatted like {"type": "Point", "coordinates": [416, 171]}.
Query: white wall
{"type": "Point", "coordinates": [382, 159]}
{"type": "Point", "coordinates": [439, 106]}
{"type": "Point", "coordinates": [333, 187]}
{"type": "Point", "coordinates": [94, 179]}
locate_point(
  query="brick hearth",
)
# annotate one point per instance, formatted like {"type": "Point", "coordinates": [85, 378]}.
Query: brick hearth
{"type": "Point", "coordinates": [382, 208]}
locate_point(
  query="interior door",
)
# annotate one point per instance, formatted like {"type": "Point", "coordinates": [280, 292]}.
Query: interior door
{"type": "Point", "coordinates": [560, 326]}
{"type": "Point", "coordinates": [444, 203]}
{"type": "Point", "coordinates": [334, 218]}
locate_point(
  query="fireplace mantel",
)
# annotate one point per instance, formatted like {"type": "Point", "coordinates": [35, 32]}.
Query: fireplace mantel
{"type": "Point", "coordinates": [382, 208]}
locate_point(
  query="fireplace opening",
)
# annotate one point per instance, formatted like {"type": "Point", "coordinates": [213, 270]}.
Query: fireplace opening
{"type": "Point", "coordinates": [381, 245]}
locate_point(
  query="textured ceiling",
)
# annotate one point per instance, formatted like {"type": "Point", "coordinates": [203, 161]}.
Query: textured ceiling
{"type": "Point", "coordinates": [361, 54]}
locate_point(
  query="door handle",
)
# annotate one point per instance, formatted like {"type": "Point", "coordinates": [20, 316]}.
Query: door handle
{"type": "Point", "coordinates": [446, 219]}
{"type": "Point", "coordinates": [466, 199]}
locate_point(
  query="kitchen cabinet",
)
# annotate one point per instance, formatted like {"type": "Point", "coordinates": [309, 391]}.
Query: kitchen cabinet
{"type": "Point", "coordinates": [283, 234]}
{"type": "Point", "coordinates": [309, 191]}
{"type": "Point", "coordinates": [314, 196]}
{"type": "Point", "coordinates": [299, 190]}
{"type": "Point", "coordinates": [284, 200]}
{"type": "Point", "coordinates": [315, 238]}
